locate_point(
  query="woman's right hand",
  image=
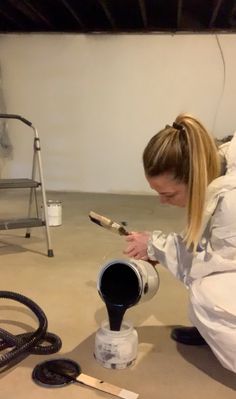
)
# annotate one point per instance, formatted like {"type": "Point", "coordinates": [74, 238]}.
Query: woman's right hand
{"type": "Point", "coordinates": [137, 245]}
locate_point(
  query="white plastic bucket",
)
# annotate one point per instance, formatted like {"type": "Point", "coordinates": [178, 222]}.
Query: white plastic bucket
{"type": "Point", "coordinates": [54, 210]}
{"type": "Point", "coordinates": [116, 349]}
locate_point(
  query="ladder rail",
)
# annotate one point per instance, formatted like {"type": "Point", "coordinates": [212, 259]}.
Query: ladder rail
{"type": "Point", "coordinates": [27, 234]}
{"type": "Point", "coordinates": [37, 148]}
{"type": "Point", "coordinates": [15, 116]}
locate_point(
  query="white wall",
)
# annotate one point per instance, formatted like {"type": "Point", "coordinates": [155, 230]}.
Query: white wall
{"type": "Point", "coordinates": [96, 100]}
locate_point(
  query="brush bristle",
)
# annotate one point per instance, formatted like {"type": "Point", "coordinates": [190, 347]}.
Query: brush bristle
{"type": "Point", "coordinates": [95, 220]}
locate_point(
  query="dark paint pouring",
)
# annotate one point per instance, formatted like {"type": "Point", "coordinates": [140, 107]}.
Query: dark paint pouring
{"type": "Point", "coordinates": [120, 290]}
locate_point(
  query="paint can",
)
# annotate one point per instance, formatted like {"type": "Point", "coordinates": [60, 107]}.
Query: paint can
{"type": "Point", "coordinates": [116, 349]}
{"type": "Point", "coordinates": [127, 282]}
{"type": "Point", "coordinates": [54, 210]}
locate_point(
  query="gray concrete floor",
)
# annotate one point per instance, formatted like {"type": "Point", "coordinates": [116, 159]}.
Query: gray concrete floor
{"type": "Point", "coordinates": [65, 288]}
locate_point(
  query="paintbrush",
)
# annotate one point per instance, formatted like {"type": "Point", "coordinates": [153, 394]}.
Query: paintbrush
{"type": "Point", "coordinates": [117, 228]}
{"type": "Point", "coordinates": [90, 381]}
{"type": "Point", "coordinates": [108, 224]}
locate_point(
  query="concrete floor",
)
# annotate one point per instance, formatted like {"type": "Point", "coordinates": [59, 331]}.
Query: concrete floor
{"type": "Point", "coordinates": [65, 288]}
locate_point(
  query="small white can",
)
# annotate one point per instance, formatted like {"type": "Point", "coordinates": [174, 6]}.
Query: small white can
{"type": "Point", "coordinates": [54, 210]}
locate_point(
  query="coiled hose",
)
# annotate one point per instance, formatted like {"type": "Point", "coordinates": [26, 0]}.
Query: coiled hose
{"type": "Point", "coordinates": [27, 343]}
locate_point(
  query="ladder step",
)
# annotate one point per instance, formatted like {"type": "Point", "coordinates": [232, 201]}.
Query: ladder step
{"type": "Point", "coordinates": [20, 223]}
{"type": "Point", "coordinates": [18, 183]}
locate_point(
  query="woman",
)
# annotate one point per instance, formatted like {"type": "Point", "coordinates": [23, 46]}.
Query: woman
{"type": "Point", "coordinates": [184, 166]}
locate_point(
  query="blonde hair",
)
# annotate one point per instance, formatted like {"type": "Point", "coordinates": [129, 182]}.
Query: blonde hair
{"type": "Point", "coordinates": [187, 151]}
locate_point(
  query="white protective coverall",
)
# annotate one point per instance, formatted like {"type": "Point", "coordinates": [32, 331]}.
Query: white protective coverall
{"type": "Point", "coordinates": [210, 274]}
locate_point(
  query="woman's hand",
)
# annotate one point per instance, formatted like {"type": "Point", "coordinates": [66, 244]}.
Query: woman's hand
{"type": "Point", "coordinates": [137, 245]}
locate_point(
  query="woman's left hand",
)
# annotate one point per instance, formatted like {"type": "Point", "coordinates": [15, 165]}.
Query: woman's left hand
{"type": "Point", "coordinates": [137, 245]}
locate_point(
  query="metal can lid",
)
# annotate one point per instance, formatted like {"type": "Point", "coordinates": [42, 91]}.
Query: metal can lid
{"type": "Point", "coordinates": [53, 202]}
{"type": "Point", "coordinates": [45, 373]}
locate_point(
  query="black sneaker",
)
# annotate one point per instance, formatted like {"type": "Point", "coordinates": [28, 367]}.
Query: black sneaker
{"type": "Point", "coordinates": [187, 336]}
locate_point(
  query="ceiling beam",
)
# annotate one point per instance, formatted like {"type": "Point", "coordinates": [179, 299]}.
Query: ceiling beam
{"type": "Point", "coordinates": [6, 15]}
{"type": "Point", "coordinates": [30, 11]}
{"type": "Point", "coordinates": [215, 12]}
{"type": "Point", "coordinates": [73, 13]}
{"type": "Point", "coordinates": [232, 16]}
{"type": "Point", "coordinates": [108, 14]}
{"type": "Point", "coordinates": [143, 11]}
{"type": "Point", "coordinates": [179, 13]}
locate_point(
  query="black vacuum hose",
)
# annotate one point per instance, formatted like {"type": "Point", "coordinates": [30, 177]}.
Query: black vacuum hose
{"type": "Point", "coordinates": [27, 343]}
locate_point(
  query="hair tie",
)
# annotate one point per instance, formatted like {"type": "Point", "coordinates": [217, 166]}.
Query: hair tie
{"type": "Point", "coordinates": [178, 126]}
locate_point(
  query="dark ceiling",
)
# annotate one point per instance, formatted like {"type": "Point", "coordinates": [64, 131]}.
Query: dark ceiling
{"type": "Point", "coordinates": [117, 16]}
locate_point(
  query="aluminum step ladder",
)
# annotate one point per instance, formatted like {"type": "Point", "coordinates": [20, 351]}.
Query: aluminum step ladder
{"type": "Point", "coordinates": [33, 185]}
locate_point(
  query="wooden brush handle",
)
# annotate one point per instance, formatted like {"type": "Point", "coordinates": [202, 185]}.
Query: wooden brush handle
{"type": "Point", "coordinates": [101, 219]}
{"type": "Point", "coordinates": [106, 387]}
{"type": "Point", "coordinates": [108, 224]}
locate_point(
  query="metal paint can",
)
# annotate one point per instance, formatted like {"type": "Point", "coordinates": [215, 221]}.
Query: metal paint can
{"type": "Point", "coordinates": [135, 281]}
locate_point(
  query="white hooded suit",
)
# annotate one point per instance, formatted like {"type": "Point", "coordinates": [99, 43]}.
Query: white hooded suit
{"type": "Point", "coordinates": [210, 274]}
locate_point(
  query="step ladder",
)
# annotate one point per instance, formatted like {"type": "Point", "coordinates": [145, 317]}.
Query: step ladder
{"type": "Point", "coordinates": [33, 185]}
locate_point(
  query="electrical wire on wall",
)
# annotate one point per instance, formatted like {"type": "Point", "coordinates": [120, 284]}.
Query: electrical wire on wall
{"type": "Point", "coordinates": [223, 83]}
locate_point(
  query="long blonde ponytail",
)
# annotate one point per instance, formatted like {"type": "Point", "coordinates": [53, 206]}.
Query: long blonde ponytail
{"type": "Point", "coordinates": [187, 151]}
